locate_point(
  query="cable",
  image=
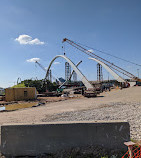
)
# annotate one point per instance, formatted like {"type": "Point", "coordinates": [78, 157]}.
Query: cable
{"type": "Point", "coordinates": [111, 55]}
{"type": "Point", "coordinates": [79, 47]}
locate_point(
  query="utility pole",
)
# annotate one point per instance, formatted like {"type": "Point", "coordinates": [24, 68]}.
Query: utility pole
{"type": "Point", "coordinates": [108, 77]}
{"type": "Point", "coordinates": [138, 72]}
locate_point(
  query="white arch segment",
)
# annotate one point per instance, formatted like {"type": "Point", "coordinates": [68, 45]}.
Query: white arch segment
{"type": "Point", "coordinates": [78, 72]}
{"type": "Point", "coordinates": [115, 75]}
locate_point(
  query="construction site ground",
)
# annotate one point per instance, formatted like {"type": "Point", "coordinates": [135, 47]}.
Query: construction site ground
{"type": "Point", "coordinates": [117, 104]}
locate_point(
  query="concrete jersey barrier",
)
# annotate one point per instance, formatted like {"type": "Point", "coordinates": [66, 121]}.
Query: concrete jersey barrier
{"type": "Point", "coordinates": [35, 139]}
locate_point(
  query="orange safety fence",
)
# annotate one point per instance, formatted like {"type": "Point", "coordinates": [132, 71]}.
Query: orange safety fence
{"type": "Point", "coordinates": [133, 152]}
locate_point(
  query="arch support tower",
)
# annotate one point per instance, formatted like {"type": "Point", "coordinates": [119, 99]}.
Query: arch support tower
{"type": "Point", "coordinates": [114, 74]}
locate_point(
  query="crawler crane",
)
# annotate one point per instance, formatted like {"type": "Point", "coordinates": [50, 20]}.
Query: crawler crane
{"type": "Point", "coordinates": [112, 66]}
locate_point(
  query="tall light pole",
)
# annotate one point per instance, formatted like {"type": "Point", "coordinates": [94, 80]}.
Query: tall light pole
{"type": "Point", "coordinates": [138, 72]}
{"type": "Point", "coordinates": [108, 77]}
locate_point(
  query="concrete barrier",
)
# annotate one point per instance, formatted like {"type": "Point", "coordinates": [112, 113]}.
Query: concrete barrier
{"type": "Point", "coordinates": [27, 139]}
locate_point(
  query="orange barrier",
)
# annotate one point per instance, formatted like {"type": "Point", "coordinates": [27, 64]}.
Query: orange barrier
{"type": "Point", "coordinates": [133, 150]}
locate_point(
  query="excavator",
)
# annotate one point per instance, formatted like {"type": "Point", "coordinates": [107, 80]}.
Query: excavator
{"type": "Point", "coordinates": [107, 63]}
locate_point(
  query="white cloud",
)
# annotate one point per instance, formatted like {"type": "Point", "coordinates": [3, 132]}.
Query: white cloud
{"type": "Point", "coordinates": [56, 63]}
{"type": "Point", "coordinates": [91, 50]}
{"type": "Point", "coordinates": [26, 39]}
{"type": "Point", "coordinates": [32, 60]}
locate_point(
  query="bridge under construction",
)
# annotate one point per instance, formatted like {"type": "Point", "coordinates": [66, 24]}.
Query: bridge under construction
{"type": "Point", "coordinates": [111, 68]}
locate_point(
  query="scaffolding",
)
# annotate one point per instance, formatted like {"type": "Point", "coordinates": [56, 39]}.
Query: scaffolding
{"type": "Point", "coordinates": [99, 73]}
{"type": "Point", "coordinates": [67, 71]}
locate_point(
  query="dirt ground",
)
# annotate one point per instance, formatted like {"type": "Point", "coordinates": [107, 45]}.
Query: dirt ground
{"type": "Point", "coordinates": [115, 105]}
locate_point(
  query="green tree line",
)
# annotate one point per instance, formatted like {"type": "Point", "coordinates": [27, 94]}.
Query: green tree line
{"type": "Point", "coordinates": [40, 85]}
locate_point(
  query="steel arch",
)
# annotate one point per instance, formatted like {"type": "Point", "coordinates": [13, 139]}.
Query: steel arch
{"type": "Point", "coordinates": [115, 75]}
{"type": "Point", "coordinates": [78, 72]}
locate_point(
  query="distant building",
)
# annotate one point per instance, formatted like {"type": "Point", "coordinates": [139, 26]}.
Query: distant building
{"type": "Point", "coordinates": [74, 76]}
{"type": "Point", "coordinates": [19, 94]}
{"type": "Point", "coordinates": [62, 79]}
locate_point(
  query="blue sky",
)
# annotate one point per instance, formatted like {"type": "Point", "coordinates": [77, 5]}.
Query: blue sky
{"type": "Point", "coordinates": [113, 26]}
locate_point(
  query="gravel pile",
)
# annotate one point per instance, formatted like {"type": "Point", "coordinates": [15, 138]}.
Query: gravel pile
{"type": "Point", "coordinates": [127, 111]}
{"type": "Point", "coordinates": [114, 105]}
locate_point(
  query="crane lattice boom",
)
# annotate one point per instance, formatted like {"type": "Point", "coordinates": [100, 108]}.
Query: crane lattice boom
{"type": "Point", "coordinates": [108, 63]}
